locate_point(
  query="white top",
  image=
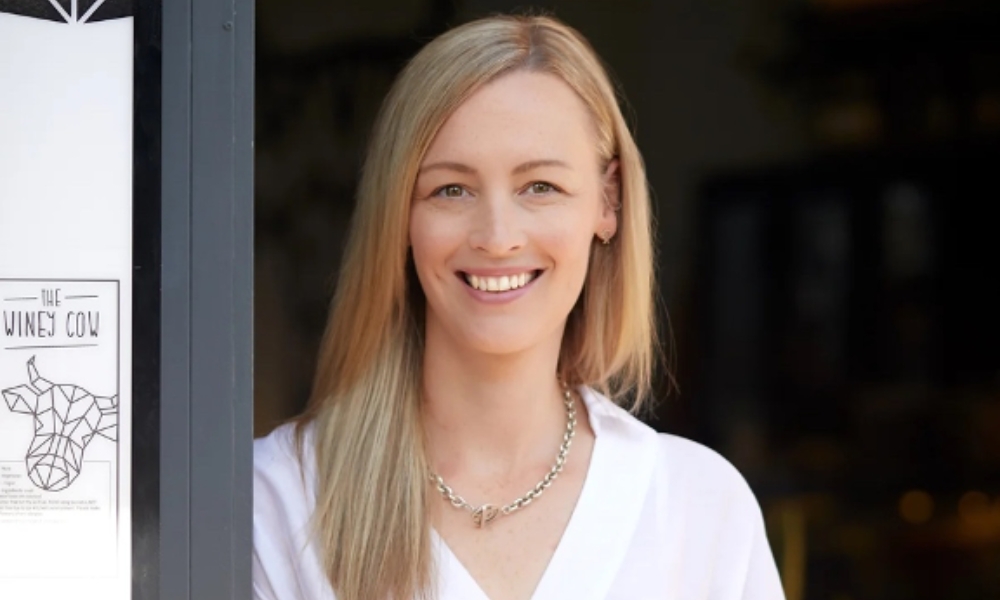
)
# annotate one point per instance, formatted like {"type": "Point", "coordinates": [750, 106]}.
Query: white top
{"type": "Point", "coordinates": [659, 517]}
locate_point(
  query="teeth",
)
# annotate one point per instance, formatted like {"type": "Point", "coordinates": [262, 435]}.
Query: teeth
{"type": "Point", "coordinates": [499, 284]}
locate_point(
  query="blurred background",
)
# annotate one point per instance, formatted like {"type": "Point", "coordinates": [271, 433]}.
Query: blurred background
{"type": "Point", "coordinates": [825, 174]}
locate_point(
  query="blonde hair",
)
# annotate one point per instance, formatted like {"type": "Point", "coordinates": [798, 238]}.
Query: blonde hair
{"type": "Point", "coordinates": [371, 521]}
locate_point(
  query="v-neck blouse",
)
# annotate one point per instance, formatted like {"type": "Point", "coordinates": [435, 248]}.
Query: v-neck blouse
{"type": "Point", "coordinates": [659, 518]}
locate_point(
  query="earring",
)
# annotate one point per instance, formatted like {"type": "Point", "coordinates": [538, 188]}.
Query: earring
{"type": "Point", "coordinates": [606, 237]}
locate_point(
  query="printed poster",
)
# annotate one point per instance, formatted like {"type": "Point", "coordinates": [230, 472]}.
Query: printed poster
{"type": "Point", "coordinates": [66, 89]}
{"type": "Point", "coordinates": [59, 450]}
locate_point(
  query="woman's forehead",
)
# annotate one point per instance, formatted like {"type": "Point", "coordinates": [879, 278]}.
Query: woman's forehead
{"type": "Point", "coordinates": [521, 116]}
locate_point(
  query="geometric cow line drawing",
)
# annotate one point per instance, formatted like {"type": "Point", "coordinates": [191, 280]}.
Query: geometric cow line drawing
{"type": "Point", "coordinates": [67, 418]}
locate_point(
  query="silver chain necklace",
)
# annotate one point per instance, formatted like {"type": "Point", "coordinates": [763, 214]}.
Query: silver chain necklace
{"type": "Point", "coordinates": [483, 515]}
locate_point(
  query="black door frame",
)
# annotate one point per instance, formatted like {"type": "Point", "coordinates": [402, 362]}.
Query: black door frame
{"type": "Point", "coordinates": [193, 299]}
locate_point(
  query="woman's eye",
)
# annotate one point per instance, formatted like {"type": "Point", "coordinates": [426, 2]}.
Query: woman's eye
{"type": "Point", "coordinates": [450, 191]}
{"type": "Point", "coordinates": [540, 187]}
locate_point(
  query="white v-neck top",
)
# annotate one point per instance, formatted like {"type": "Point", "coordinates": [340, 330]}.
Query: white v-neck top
{"type": "Point", "coordinates": [659, 517]}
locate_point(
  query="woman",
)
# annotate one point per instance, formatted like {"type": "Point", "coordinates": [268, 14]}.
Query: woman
{"type": "Point", "coordinates": [496, 292]}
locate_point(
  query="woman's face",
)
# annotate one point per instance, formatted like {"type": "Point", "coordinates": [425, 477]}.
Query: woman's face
{"type": "Point", "coordinates": [506, 205]}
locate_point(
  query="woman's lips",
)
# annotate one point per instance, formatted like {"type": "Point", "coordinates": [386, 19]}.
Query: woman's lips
{"type": "Point", "coordinates": [501, 282]}
{"type": "Point", "coordinates": [497, 287]}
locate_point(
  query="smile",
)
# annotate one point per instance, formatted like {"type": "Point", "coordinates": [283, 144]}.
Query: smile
{"type": "Point", "coordinates": [504, 283]}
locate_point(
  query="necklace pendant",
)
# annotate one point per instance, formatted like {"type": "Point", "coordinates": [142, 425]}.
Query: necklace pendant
{"type": "Point", "coordinates": [484, 515]}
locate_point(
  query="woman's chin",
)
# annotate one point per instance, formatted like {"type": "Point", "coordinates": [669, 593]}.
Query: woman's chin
{"type": "Point", "coordinates": [493, 336]}
{"type": "Point", "coordinates": [497, 346]}
{"type": "Point", "coordinates": [498, 341]}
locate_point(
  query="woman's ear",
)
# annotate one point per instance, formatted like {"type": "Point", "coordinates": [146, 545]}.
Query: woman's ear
{"type": "Point", "coordinates": [611, 182]}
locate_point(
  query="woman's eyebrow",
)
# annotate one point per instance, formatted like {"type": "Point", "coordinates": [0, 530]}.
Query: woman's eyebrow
{"type": "Point", "coordinates": [519, 169]}
{"type": "Point", "coordinates": [535, 164]}
{"type": "Point", "coordinates": [447, 166]}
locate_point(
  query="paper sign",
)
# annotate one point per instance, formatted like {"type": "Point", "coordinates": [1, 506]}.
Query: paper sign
{"type": "Point", "coordinates": [65, 299]}
{"type": "Point", "coordinates": [59, 446]}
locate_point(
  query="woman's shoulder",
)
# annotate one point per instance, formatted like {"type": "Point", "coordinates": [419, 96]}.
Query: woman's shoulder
{"type": "Point", "coordinates": [701, 471]}
{"type": "Point", "coordinates": [282, 467]}
{"type": "Point", "coordinates": [699, 502]}
{"type": "Point", "coordinates": [685, 466]}
{"type": "Point", "coordinates": [285, 563]}
{"type": "Point", "coordinates": [276, 449]}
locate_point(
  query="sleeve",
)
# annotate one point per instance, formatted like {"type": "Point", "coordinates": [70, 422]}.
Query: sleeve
{"type": "Point", "coordinates": [761, 581]}
{"type": "Point", "coordinates": [267, 556]}
{"type": "Point", "coordinates": [753, 568]}
{"type": "Point", "coordinates": [725, 551]}
{"type": "Point", "coordinates": [744, 567]}
{"type": "Point", "coordinates": [283, 566]}
{"type": "Point", "coordinates": [262, 588]}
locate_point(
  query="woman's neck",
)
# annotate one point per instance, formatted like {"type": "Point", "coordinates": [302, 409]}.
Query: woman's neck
{"type": "Point", "coordinates": [492, 415]}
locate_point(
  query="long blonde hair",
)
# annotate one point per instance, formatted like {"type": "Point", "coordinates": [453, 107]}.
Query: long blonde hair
{"type": "Point", "coordinates": [371, 520]}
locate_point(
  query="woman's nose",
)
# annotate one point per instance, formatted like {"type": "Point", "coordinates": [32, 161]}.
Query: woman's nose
{"type": "Point", "coordinates": [497, 228]}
